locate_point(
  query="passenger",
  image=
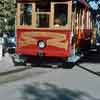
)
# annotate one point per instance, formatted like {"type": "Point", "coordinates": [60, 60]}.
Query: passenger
{"type": "Point", "coordinates": [58, 22]}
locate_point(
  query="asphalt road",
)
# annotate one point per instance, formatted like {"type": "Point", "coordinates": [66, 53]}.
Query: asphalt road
{"type": "Point", "coordinates": [79, 83]}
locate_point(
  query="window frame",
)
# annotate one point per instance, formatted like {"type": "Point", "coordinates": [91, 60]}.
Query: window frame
{"type": "Point", "coordinates": [18, 19]}
{"type": "Point", "coordinates": [24, 16]}
{"type": "Point", "coordinates": [69, 5]}
{"type": "Point", "coordinates": [51, 16]}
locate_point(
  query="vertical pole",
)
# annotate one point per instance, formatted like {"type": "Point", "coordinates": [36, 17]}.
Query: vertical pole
{"type": "Point", "coordinates": [75, 22]}
{"type": "Point", "coordinates": [1, 48]}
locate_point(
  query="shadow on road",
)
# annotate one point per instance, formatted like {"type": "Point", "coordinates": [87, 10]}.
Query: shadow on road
{"type": "Point", "coordinates": [89, 70]}
{"type": "Point", "coordinates": [92, 57]}
{"type": "Point", "coordinates": [48, 91]}
{"type": "Point", "coordinates": [65, 66]}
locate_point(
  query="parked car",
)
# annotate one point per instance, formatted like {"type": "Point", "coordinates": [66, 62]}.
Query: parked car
{"type": "Point", "coordinates": [11, 43]}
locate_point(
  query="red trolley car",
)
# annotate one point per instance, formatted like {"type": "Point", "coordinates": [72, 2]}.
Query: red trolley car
{"type": "Point", "coordinates": [52, 29]}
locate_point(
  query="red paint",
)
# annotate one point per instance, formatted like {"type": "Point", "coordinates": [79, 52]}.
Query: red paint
{"type": "Point", "coordinates": [49, 50]}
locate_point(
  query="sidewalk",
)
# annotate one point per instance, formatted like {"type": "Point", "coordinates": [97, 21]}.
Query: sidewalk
{"type": "Point", "coordinates": [6, 64]}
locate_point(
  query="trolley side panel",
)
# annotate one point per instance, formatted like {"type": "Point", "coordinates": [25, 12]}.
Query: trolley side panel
{"type": "Point", "coordinates": [57, 42]}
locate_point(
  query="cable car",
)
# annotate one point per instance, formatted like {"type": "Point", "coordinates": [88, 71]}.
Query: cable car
{"type": "Point", "coordinates": [54, 31]}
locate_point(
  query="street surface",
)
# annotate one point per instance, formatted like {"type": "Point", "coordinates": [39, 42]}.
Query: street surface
{"type": "Point", "coordinates": [45, 83]}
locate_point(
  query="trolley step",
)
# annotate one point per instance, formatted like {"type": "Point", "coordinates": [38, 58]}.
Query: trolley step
{"type": "Point", "coordinates": [74, 58]}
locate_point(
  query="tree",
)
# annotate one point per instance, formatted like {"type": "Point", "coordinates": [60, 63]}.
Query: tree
{"type": "Point", "coordinates": [7, 11]}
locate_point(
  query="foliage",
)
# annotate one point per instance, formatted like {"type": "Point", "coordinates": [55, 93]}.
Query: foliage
{"type": "Point", "coordinates": [7, 11]}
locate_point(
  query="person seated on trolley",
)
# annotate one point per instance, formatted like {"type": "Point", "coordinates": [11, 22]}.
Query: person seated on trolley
{"type": "Point", "coordinates": [58, 22]}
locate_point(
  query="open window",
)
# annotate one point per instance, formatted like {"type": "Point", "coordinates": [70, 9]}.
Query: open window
{"type": "Point", "coordinates": [42, 14]}
{"type": "Point", "coordinates": [60, 14]}
{"type": "Point", "coordinates": [25, 14]}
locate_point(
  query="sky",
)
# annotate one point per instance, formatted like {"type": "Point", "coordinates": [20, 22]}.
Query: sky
{"type": "Point", "coordinates": [94, 4]}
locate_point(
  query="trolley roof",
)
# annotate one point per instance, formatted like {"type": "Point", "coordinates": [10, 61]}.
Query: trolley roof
{"type": "Point", "coordinates": [28, 1]}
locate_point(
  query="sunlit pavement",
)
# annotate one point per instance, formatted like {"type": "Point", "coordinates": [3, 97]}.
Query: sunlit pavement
{"type": "Point", "coordinates": [6, 63]}
{"type": "Point", "coordinates": [57, 84]}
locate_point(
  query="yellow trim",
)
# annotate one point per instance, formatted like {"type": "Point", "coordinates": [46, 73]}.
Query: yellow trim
{"type": "Point", "coordinates": [51, 17]}
{"type": "Point", "coordinates": [27, 38]}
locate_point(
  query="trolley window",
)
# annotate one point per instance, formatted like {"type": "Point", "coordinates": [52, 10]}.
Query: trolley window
{"type": "Point", "coordinates": [60, 14]}
{"type": "Point", "coordinates": [26, 14]}
{"type": "Point", "coordinates": [42, 14]}
{"type": "Point", "coordinates": [42, 20]}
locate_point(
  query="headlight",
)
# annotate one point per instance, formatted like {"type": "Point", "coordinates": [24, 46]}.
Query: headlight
{"type": "Point", "coordinates": [41, 44]}
{"type": "Point", "coordinates": [11, 40]}
{"type": "Point", "coordinates": [98, 44]}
